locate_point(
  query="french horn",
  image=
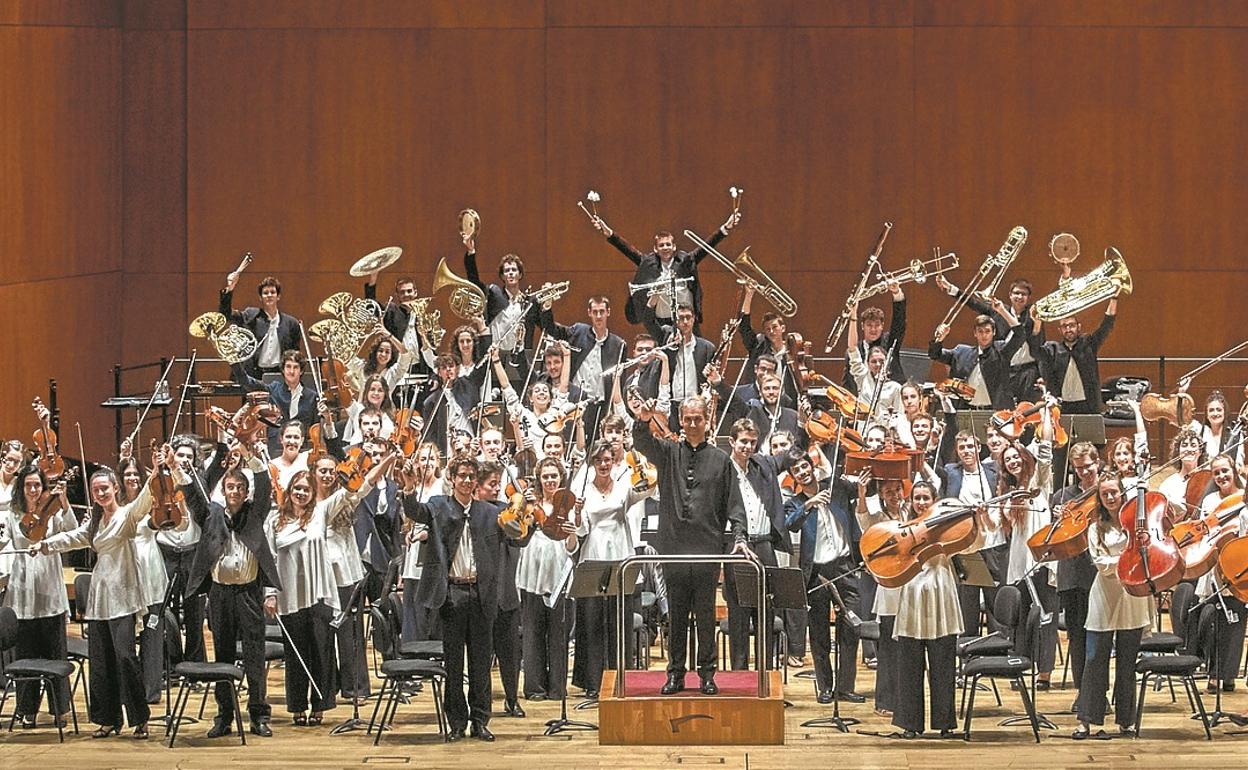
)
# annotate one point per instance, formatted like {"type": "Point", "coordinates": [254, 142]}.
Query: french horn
{"type": "Point", "coordinates": [467, 299]}
{"type": "Point", "coordinates": [234, 344]}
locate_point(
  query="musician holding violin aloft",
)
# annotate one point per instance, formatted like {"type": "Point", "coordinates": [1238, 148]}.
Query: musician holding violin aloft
{"type": "Point", "coordinates": [36, 591]}
{"type": "Point", "coordinates": [822, 511]}
{"type": "Point", "coordinates": [1115, 623]}
{"type": "Point", "coordinates": [869, 383]}
{"type": "Point", "coordinates": [152, 575]}
{"type": "Point", "coordinates": [116, 595]}
{"type": "Point", "coordinates": [1224, 517]}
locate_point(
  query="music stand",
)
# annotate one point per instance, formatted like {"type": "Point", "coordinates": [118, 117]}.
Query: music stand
{"type": "Point", "coordinates": [589, 579]}
{"type": "Point", "coordinates": [972, 570]}
{"type": "Point", "coordinates": [836, 720]}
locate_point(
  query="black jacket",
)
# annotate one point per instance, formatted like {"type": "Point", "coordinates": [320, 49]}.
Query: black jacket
{"type": "Point", "coordinates": [581, 336]}
{"type": "Point", "coordinates": [446, 524]}
{"type": "Point", "coordinates": [496, 299]}
{"type": "Point", "coordinates": [1055, 357]}
{"type": "Point", "coordinates": [215, 526]}
{"type": "Point", "coordinates": [684, 265]}
{"type": "Point", "coordinates": [255, 320]}
{"type": "Point", "coordinates": [279, 396]}
{"type": "Point", "coordinates": [994, 365]}
{"type": "Point", "coordinates": [894, 338]}
{"type": "Point", "coordinates": [396, 318]}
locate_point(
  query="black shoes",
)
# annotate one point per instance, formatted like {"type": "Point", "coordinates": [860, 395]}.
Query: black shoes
{"type": "Point", "coordinates": [824, 696]}
{"type": "Point", "coordinates": [456, 734]}
{"type": "Point", "coordinates": [708, 686]}
{"type": "Point", "coordinates": [482, 733]}
{"type": "Point", "coordinates": [852, 697]}
{"type": "Point", "coordinates": [675, 683]}
{"type": "Point", "coordinates": [262, 729]}
{"type": "Point", "coordinates": [512, 709]}
{"type": "Point", "coordinates": [220, 728]}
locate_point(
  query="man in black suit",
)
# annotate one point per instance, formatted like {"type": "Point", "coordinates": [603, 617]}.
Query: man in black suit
{"type": "Point", "coordinates": [1071, 366]}
{"type": "Point", "coordinates": [449, 407]}
{"type": "Point", "coordinates": [462, 558]}
{"type": "Point", "coordinates": [686, 364]}
{"type": "Point", "coordinates": [283, 394]}
{"type": "Point", "coordinates": [767, 345]}
{"type": "Point", "coordinates": [594, 350]}
{"type": "Point", "coordinates": [234, 566]}
{"type": "Point", "coordinates": [1024, 367]}
{"type": "Point", "coordinates": [274, 331]}
{"type": "Point", "coordinates": [507, 617]}
{"type": "Point", "coordinates": [985, 366]}
{"type": "Point", "coordinates": [378, 525]}
{"type": "Point", "coordinates": [400, 321]}
{"type": "Point", "coordinates": [766, 413]}
{"type": "Point", "coordinates": [510, 316]}
{"type": "Point", "coordinates": [664, 263]}
{"type": "Point", "coordinates": [698, 499]}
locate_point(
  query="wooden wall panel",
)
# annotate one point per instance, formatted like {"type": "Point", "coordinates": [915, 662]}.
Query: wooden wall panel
{"type": "Point", "coordinates": [1080, 13]}
{"type": "Point", "coordinates": [364, 14]}
{"type": "Point", "coordinates": [61, 13]}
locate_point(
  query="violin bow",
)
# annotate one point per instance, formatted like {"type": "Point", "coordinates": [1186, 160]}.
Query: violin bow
{"type": "Point", "coordinates": [82, 455]}
{"type": "Point", "coordinates": [163, 378]}
{"type": "Point", "coordinates": [186, 384]}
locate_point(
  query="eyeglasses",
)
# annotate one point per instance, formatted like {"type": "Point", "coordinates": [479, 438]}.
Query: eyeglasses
{"type": "Point", "coordinates": [465, 477]}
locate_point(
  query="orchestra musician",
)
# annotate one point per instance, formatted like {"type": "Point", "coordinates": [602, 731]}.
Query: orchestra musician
{"type": "Point", "coordinates": [1076, 575]}
{"type": "Point", "coordinates": [873, 336]}
{"type": "Point", "coordinates": [275, 331]}
{"type": "Point", "coordinates": [401, 321]}
{"type": "Point", "coordinates": [1024, 368]}
{"type": "Point", "coordinates": [1072, 361]}
{"type": "Point", "coordinates": [511, 316]}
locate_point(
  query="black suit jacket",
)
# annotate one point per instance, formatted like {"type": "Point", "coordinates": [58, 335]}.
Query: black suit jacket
{"type": "Point", "coordinates": [581, 335]}
{"type": "Point", "coordinates": [442, 515]}
{"type": "Point", "coordinates": [279, 396]}
{"type": "Point", "coordinates": [255, 320]}
{"type": "Point", "coordinates": [684, 265]}
{"type": "Point", "coordinates": [994, 365]}
{"type": "Point", "coordinates": [396, 318]}
{"type": "Point", "coordinates": [376, 534]}
{"type": "Point", "coordinates": [894, 338]}
{"type": "Point", "coordinates": [1055, 358]}
{"type": "Point", "coordinates": [703, 352]}
{"type": "Point", "coordinates": [951, 475]}
{"type": "Point", "coordinates": [763, 473]}
{"type": "Point", "coordinates": [215, 527]}
{"type": "Point", "coordinates": [496, 299]}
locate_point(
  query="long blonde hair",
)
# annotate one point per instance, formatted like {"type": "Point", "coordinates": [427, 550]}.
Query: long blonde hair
{"type": "Point", "coordinates": [286, 511]}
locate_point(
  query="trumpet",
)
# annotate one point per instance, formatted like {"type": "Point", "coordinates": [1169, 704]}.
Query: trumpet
{"type": "Point", "coordinates": [873, 263]}
{"type": "Point", "coordinates": [467, 299]}
{"type": "Point", "coordinates": [655, 288]}
{"type": "Point", "coordinates": [1000, 262]}
{"type": "Point", "coordinates": [547, 292]}
{"type": "Point", "coordinates": [918, 271]}
{"type": "Point", "coordinates": [752, 276]}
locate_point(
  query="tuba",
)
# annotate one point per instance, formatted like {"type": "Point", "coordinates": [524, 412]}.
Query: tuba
{"type": "Point", "coordinates": [1105, 282]}
{"type": "Point", "coordinates": [467, 299]}
{"type": "Point", "coordinates": [234, 344]}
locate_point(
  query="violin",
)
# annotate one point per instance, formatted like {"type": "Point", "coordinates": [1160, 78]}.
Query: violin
{"type": "Point", "coordinates": [823, 428]}
{"type": "Point", "coordinates": [644, 474]}
{"type": "Point", "coordinates": [45, 441]}
{"type": "Point", "coordinates": [167, 500]}
{"type": "Point", "coordinates": [556, 420]}
{"type": "Point", "coordinates": [660, 428]}
{"type": "Point", "coordinates": [1233, 564]}
{"type": "Point", "coordinates": [1012, 422]}
{"type": "Point", "coordinates": [895, 551]}
{"type": "Point", "coordinates": [520, 515]}
{"type": "Point", "coordinates": [1200, 540]}
{"type": "Point", "coordinates": [337, 390]}
{"type": "Point", "coordinates": [847, 403]}
{"type": "Point", "coordinates": [955, 387]}
{"type": "Point", "coordinates": [35, 522]}
{"type": "Point", "coordinates": [1150, 563]}
{"type": "Point", "coordinates": [1067, 536]}
{"type": "Point", "coordinates": [1176, 410]}
{"type": "Point", "coordinates": [354, 468]}
{"type": "Point", "coordinates": [406, 436]}
{"type": "Point", "coordinates": [562, 503]}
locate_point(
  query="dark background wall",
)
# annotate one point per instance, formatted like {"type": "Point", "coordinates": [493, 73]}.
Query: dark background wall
{"type": "Point", "coordinates": [148, 144]}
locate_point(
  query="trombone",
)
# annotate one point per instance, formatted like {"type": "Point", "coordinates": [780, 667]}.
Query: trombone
{"type": "Point", "coordinates": [752, 276]}
{"type": "Point", "coordinates": [1000, 262]}
{"type": "Point", "coordinates": [918, 271]}
{"type": "Point", "coordinates": [873, 263]}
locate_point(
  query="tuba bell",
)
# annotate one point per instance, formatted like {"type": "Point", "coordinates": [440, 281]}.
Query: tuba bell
{"type": "Point", "coordinates": [467, 299]}
{"type": "Point", "coordinates": [1107, 281]}
{"type": "Point", "coordinates": [234, 344]}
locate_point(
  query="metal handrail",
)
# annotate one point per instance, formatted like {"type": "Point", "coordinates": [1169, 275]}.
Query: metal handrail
{"type": "Point", "coordinates": [761, 628]}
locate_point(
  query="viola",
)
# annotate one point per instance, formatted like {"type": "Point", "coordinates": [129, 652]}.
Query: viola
{"type": "Point", "coordinates": [35, 522]}
{"type": "Point", "coordinates": [953, 386]}
{"type": "Point", "coordinates": [562, 503]}
{"type": "Point", "coordinates": [1150, 563]}
{"type": "Point", "coordinates": [847, 403]}
{"type": "Point", "coordinates": [823, 428]}
{"type": "Point", "coordinates": [643, 473]}
{"type": "Point", "coordinates": [660, 428]}
{"type": "Point", "coordinates": [1176, 410]}
{"type": "Point", "coordinates": [556, 420]}
{"type": "Point", "coordinates": [520, 515]}
{"type": "Point", "coordinates": [1067, 536]}
{"type": "Point", "coordinates": [316, 442]}
{"type": "Point", "coordinates": [1012, 422]}
{"type": "Point", "coordinates": [1200, 540]}
{"type": "Point", "coordinates": [168, 501]}
{"type": "Point", "coordinates": [337, 391]}
{"type": "Point", "coordinates": [1233, 564]}
{"type": "Point", "coordinates": [352, 470]}
{"type": "Point", "coordinates": [895, 551]}
{"type": "Point", "coordinates": [46, 444]}
{"type": "Point", "coordinates": [899, 464]}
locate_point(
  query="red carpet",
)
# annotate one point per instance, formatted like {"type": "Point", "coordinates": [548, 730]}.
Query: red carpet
{"type": "Point", "coordinates": [642, 684]}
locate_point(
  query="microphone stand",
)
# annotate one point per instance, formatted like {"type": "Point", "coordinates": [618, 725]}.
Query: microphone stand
{"type": "Point", "coordinates": [349, 614]}
{"type": "Point", "coordinates": [1215, 660]}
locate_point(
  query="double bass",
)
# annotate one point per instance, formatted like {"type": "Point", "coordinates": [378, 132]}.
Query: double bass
{"type": "Point", "coordinates": [1150, 562]}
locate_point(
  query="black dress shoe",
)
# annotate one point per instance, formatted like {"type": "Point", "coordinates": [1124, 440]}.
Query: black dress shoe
{"type": "Point", "coordinates": [262, 729]}
{"type": "Point", "coordinates": [220, 727]}
{"type": "Point", "coordinates": [482, 733]}
{"type": "Point", "coordinates": [674, 684]}
{"type": "Point", "coordinates": [824, 696]}
{"type": "Point", "coordinates": [852, 697]}
{"type": "Point", "coordinates": [708, 686]}
{"type": "Point", "coordinates": [513, 709]}
{"type": "Point", "coordinates": [456, 734]}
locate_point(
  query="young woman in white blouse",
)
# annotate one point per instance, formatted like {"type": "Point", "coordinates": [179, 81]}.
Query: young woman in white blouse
{"type": "Point", "coordinates": [374, 394]}
{"type": "Point", "coordinates": [298, 535]}
{"type": "Point", "coordinates": [1189, 448]}
{"type": "Point", "coordinates": [926, 628]}
{"type": "Point", "coordinates": [12, 458]}
{"type": "Point", "coordinates": [153, 578]}
{"type": "Point", "coordinates": [116, 597]}
{"type": "Point", "coordinates": [425, 469]}
{"type": "Point", "coordinates": [891, 507]}
{"type": "Point", "coordinates": [1224, 661]}
{"type": "Point", "coordinates": [1116, 621]}
{"type": "Point", "coordinates": [36, 591]}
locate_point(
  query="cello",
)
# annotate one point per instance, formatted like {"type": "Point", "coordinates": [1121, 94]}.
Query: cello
{"type": "Point", "coordinates": [1200, 540]}
{"type": "Point", "coordinates": [1233, 564]}
{"type": "Point", "coordinates": [1067, 536]}
{"type": "Point", "coordinates": [1150, 562]}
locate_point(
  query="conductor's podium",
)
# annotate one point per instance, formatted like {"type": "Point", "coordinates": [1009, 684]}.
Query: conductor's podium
{"type": "Point", "coordinates": [736, 716]}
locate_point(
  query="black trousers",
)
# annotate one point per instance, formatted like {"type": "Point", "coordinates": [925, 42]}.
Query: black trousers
{"type": "Point", "coordinates": [740, 619]}
{"type": "Point", "coordinates": [545, 645]}
{"type": "Point", "coordinates": [1074, 605]}
{"type": "Point", "coordinates": [886, 666]}
{"type": "Point", "coordinates": [114, 675]}
{"type": "Point", "coordinates": [236, 613]}
{"type": "Point", "coordinates": [1126, 647]}
{"type": "Point", "coordinates": [596, 637]}
{"type": "Point", "coordinates": [938, 657]}
{"type": "Point", "coordinates": [352, 659]}
{"type": "Point", "coordinates": [466, 628]}
{"type": "Point", "coordinates": [820, 616]}
{"type": "Point", "coordinates": [996, 559]}
{"type": "Point", "coordinates": [507, 634]}
{"type": "Point", "coordinates": [415, 625]}
{"type": "Point", "coordinates": [41, 638]}
{"type": "Point", "coordinates": [691, 593]}
{"type": "Point", "coordinates": [178, 567]}
{"type": "Point", "coordinates": [152, 653]}
{"type": "Point", "coordinates": [795, 630]}
{"type": "Point", "coordinates": [312, 636]}
{"type": "Point", "coordinates": [1046, 655]}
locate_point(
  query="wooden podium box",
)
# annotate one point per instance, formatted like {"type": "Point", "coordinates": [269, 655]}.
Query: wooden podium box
{"type": "Point", "coordinates": [734, 717]}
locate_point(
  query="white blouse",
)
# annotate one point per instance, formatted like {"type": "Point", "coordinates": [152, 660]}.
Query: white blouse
{"type": "Point", "coordinates": [1206, 584]}
{"type": "Point", "coordinates": [542, 565]}
{"type": "Point", "coordinates": [152, 576]}
{"type": "Point", "coordinates": [606, 528]}
{"type": "Point", "coordinates": [927, 606]}
{"type": "Point", "coordinates": [36, 583]}
{"type": "Point", "coordinates": [1037, 517]}
{"type": "Point", "coordinates": [1110, 607]}
{"type": "Point", "coordinates": [412, 568]}
{"type": "Point", "coordinates": [305, 564]}
{"type": "Point", "coordinates": [887, 600]}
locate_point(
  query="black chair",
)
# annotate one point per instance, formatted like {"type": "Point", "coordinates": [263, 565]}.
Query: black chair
{"type": "Point", "coordinates": [1166, 642]}
{"type": "Point", "coordinates": [1012, 666]}
{"type": "Point", "coordinates": [192, 674]}
{"type": "Point", "coordinates": [76, 649]}
{"type": "Point", "coordinates": [970, 647]}
{"type": "Point", "coordinates": [395, 672]}
{"type": "Point", "coordinates": [40, 670]}
{"type": "Point", "coordinates": [1182, 664]}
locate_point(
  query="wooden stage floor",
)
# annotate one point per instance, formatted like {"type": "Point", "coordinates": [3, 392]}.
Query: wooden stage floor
{"type": "Point", "coordinates": [1170, 739]}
